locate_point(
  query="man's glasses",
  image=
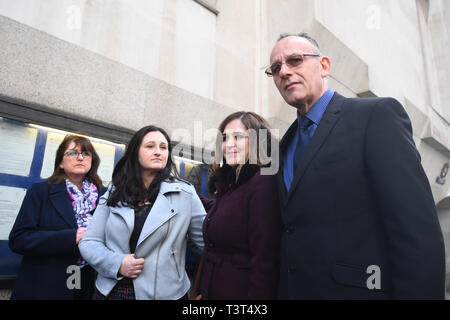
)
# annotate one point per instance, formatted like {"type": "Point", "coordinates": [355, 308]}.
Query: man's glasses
{"type": "Point", "coordinates": [74, 154]}
{"type": "Point", "coordinates": [291, 61]}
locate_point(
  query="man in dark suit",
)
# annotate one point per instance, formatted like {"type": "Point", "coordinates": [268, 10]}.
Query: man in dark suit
{"type": "Point", "coordinates": [358, 213]}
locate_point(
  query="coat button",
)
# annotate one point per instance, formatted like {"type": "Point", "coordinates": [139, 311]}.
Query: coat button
{"type": "Point", "coordinates": [172, 210]}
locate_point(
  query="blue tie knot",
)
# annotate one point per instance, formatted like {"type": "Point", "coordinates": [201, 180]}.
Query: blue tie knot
{"type": "Point", "coordinates": [305, 122]}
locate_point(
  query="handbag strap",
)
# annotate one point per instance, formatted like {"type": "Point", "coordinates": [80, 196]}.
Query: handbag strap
{"type": "Point", "coordinates": [197, 278]}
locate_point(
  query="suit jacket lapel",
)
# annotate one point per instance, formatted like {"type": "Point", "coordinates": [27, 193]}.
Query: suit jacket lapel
{"type": "Point", "coordinates": [281, 187]}
{"type": "Point", "coordinates": [327, 123]}
{"type": "Point", "coordinates": [284, 143]}
{"type": "Point", "coordinates": [60, 199]}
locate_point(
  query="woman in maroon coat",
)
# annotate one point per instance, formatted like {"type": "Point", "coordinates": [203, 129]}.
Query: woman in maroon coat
{"type": "Point", "coordinates": [242, 228]}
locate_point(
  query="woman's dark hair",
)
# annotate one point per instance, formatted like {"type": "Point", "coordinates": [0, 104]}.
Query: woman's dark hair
{"type": "Point", "coordinates": [129, 188]}
{"type": "Point", "coordinates": [85, 144]}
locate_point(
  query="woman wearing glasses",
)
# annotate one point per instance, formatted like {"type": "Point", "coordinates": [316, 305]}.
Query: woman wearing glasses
{"type": "Point", "coordinates": [138, 236]}
{"type": "Point", "coordinates": [242, 228]}
{"type": "Point", "coordinates": [51, 223]}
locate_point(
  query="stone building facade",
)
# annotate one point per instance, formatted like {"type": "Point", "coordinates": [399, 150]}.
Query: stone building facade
{"type": "Point", "coordinates": [109, 67]}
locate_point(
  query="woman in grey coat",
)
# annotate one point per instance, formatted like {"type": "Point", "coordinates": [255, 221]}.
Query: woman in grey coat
{"type": "Point", "coordinates": [137, 238]}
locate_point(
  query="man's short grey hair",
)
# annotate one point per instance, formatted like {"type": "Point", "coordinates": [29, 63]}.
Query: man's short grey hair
{"type": "Point", "coordinates": [304, 35]}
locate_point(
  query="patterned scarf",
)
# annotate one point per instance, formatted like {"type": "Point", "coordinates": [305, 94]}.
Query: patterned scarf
{"type": "Point", "coordinates": [83, 203]}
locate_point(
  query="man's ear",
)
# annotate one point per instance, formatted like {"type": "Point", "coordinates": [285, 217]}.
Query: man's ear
{"type": "Point", "coordinates": [325, 63]}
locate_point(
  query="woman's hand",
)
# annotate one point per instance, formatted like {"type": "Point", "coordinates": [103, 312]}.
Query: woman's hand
{"type": "Point", "coordinates": [80, 234]}
{"type": "Point", "coordinates": [131, 267]}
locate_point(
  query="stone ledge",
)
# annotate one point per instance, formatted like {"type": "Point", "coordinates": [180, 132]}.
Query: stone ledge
{"type": "Point", "coordinates": [437, 132]}
{"type": "Point", "coordinates": [355, 78]}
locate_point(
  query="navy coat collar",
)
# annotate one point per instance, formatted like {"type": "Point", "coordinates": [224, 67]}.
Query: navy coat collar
{"type": "Point", "coordinates": [62, 202]}
{"type": "Point", "coordinates": [60, 199]}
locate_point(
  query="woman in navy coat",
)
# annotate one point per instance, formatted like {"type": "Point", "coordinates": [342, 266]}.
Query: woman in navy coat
{"type": "Point", "coordinates": [51, 222]}
{"type": "Point", "coordinates": [243, 225]}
